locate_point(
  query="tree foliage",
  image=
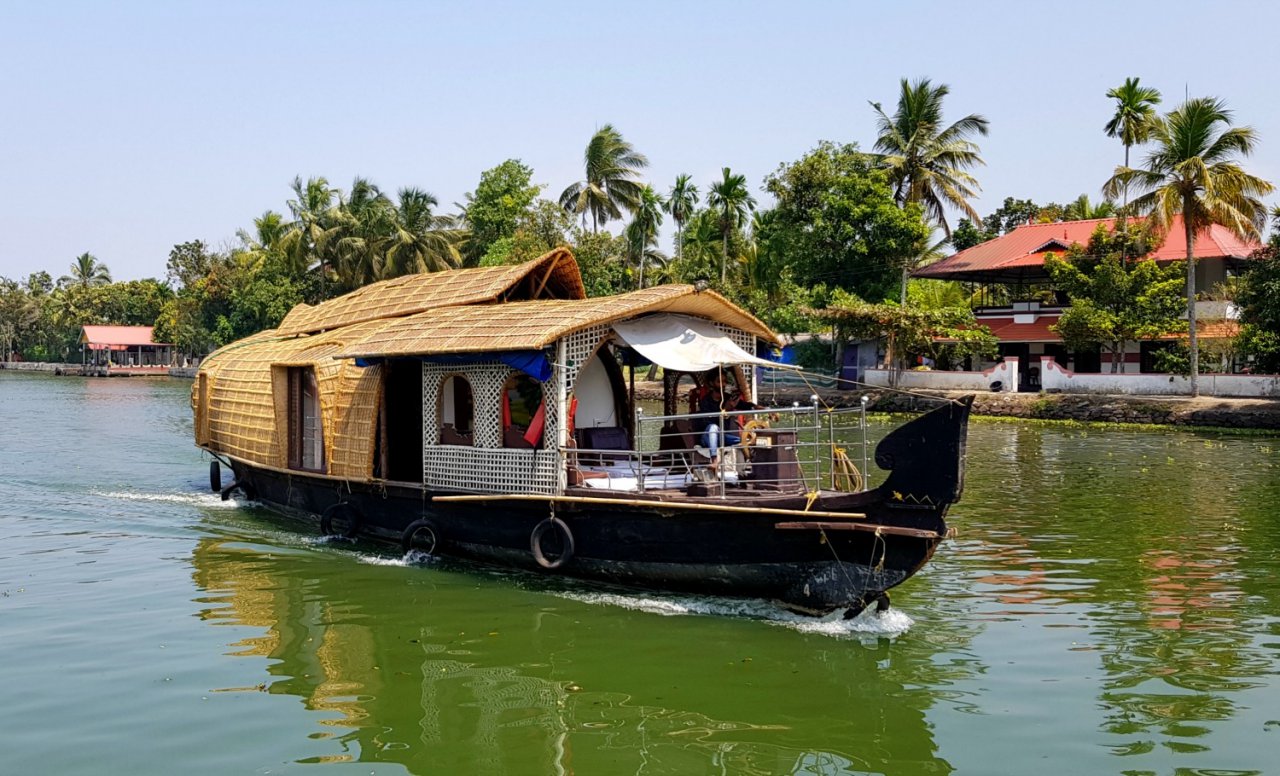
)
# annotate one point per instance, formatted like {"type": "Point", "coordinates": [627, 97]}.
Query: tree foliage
{"type": "Point", "coordinates": [495, 210]}
{"type": "Point", "coordinates": [837, 223]}
{"type": "Point", "coordinates": [1114, 301]}
{"type": "Point", "coordinates": [1259, 298]}
{"type": "Point", "coordinates": [910, 331]}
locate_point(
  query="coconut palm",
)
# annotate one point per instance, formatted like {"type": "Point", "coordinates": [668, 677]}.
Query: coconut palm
{"type": "Point", "coordinates": [926, 163]}
{"type": "Point", "coordinates": [421, 240]}
{"type": "Point", "coordinates": [610, 185]}
{"type": "Point", "coordinates": [642, 232]}
{"type": "Point", "coordinates": [1193, 170]}
{"type": "Point", "coordinates": [362, 222]}
{"type": "Point", "coordinates": [1082, 209]}
{"type": "Point", "coordinates": [86, 271]}
{"type": "Point", "coordinates": [731, 201]}
{"type": "Point", "coordinates": [681, 202]}
{"type": "Point", "coordinates": [306, 239]}
{"type": "Point", "coordinates": [1135, 108]}
{"type": "Point", "coordinates": [265, 239]}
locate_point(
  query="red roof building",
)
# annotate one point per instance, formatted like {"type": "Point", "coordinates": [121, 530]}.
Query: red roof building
{"type": "Point", "coordinates": [1018, 256]}
{"type": "Point", "coordinates": [1023, 326]}
{"type": "Point", "coordinates": [125, 346]}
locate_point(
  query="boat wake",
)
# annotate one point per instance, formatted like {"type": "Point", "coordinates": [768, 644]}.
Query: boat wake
{"type": "Point", "coordinates": [207, 500]}
{"type": "Point", "coordinates": [410, 559]}
{"type": "Point", "coordinates": [870, 623]}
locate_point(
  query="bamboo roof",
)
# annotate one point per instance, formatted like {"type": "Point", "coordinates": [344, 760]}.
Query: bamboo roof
{"type": "Point", "coordinates": [535, 324]}
{"type": "Point", "coordinates": [553, 276]}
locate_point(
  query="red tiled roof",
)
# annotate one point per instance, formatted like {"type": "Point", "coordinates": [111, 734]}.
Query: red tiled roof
{"type": "Point", "coordinates": [129, 336]}
{"type": "Point", "coordinates": [1008, 331]}
{"type": "Point", "coordinates": [1024, 248]}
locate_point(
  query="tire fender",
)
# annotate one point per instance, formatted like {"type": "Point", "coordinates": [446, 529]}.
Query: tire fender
{"type": "Point", "coordinates": [535, 543]}
{"type": "Point", "coordinates": [342, 509]}
{"type": "Point", "coordinates": [422, 528]}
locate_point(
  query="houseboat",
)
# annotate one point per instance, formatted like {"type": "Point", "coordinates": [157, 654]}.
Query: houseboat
{"type": "Point", "coordinates": [488, 414]}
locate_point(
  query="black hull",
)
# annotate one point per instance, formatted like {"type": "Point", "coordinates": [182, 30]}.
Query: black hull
{"type": "Point", "coordinates": [777, 549]}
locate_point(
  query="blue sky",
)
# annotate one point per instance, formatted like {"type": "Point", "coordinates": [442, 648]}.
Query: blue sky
{"type": "Point", "coordinates": [128, 127]}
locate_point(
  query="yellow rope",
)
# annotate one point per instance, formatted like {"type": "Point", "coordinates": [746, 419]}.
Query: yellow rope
{"type": "Point", "coordinates": [809, 499]}
{"type": "Point", "coordinates": [847, 478]}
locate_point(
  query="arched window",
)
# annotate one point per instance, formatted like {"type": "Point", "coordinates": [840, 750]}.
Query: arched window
{"type": "Point", "coordinates": [456, 411]}
{"type": "Point", "coordinates": [522, 412]}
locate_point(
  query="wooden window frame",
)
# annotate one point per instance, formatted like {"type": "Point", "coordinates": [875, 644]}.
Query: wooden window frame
{"type": "Point", "coordinates": [300, 379]}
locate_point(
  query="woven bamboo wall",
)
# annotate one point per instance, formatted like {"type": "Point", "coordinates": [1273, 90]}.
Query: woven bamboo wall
{"type": "Point", "coordinates": [246, 416]}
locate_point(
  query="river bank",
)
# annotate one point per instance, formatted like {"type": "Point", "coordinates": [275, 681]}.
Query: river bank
{"type": "Point", "coordinates": [1203, 411]}
{"type": "Point", "coordinates": [82, 370]}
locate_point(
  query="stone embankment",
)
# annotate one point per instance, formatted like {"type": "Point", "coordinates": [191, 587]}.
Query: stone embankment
{"type": "Point", "coordinates": [89, 371]}
{"type": "Point", "coordinates": [1153, 410]}
{"type": "Point", "coordinates": [39, 366]}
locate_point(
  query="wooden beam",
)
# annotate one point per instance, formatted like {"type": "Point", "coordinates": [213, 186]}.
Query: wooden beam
{"type": "Point", "coordinates": [892, 530]}
{"type": "Point", "coordinates": [650, 503]}
{"type": "Point", "coordinates": [547, 276]}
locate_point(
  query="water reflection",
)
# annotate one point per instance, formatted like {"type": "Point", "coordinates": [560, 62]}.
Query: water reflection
{"type": "Point", "coordinates": [1148, 544]}
{"type": "Point", "coordinates": [452, 672]}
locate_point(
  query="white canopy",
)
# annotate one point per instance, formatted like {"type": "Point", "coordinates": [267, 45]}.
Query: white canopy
{"type": "Point", "coordinates": [683, 344]}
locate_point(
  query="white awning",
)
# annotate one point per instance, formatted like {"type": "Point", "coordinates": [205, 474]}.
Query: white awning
{"type": "Point", "coordinates": [684, 344]}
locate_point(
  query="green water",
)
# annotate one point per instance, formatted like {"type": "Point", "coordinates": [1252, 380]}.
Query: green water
{"type": "Point", "coordinates": [1110, 606]}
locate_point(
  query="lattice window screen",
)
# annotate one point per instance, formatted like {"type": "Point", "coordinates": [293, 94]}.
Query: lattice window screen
{"type": "Point", "coordinates": [487, 467]}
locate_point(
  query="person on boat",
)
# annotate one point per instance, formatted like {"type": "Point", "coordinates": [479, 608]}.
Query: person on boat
{"type": "Point", "coordinates": [714, 400]}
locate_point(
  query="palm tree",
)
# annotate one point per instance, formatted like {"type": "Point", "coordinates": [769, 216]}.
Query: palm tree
{"type": "Point", "coordinates": [681, 202]}
{"type": "Point", "coordinates": [1082, 209]}
{"type": "Point", "coordinates": [86, 271]}
{"type": "Point", "coordinates": [731, 201]}
{"type": "Point", "coordinates": [642, 232]}
{"type": "Point", "coordinates": [1193, 170]}
{"type": "Point", "coordinates": [362, 225]}
{"type": "Point", "coordinates": [926, 163]}
{"type": "Point", "coordinates": [265, 239]}
{"type": "Point", "coordinates": [1135, 108]}
{"type": "Point", "coordinates": [306, 238]}
{"type": "Point", "coordinates": [421, 240]}
{"type": "Point", "coordinates": [610, 186]}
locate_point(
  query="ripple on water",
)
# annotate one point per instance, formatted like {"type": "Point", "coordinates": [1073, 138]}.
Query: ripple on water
{"type": "Point", "coordinates": [891, 623]}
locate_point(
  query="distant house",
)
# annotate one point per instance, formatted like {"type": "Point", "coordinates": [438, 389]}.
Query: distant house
{"type": "Point", "coordinates": [130, 346]}
{"type": "Point", "coordinates": [1016, 261]}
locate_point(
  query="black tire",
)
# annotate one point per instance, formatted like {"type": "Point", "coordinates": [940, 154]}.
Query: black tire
{"type": "Point", "coordinates": [420, 530]}
{"type": "Point", "coordinates": [215, 477]}
{"type": "Point", "coordinates": [343, 510]}
{"type": "Point", "coordinates": [535, 543]}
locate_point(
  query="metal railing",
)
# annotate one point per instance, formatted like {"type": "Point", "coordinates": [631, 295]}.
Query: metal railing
{"type": "Point", "coordinates": [801, 448]}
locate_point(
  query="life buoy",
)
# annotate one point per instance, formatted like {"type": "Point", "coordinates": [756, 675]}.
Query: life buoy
{"type": "Point", "coordinates": [344, 510]}
{"type": "Point", "coordinates": [215, 477]}
{"type": "Point", "coordinates": [566, 537]}
{"type": "Point", "coordinates": [422, 535]}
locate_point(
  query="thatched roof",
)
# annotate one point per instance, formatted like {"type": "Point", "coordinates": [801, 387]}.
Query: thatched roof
{"type": "Point", "coordinates": [553, 276]}
{"type": "Point", "coordinates": [536, 324]}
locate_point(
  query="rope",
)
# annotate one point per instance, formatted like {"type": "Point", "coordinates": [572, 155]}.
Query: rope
{"type": "Point", "coordinates": [809, 499]}
{"type": "Point", "coordinates": [802, 374]}
{"type": "Point", "coordinates": [847, 478]}
{"type": "Point", "coordinates": [839, 563]}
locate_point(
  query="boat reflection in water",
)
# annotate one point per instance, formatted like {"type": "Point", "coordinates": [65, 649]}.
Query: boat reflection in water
{"type": "Point", "coordinates": [458, 671]}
